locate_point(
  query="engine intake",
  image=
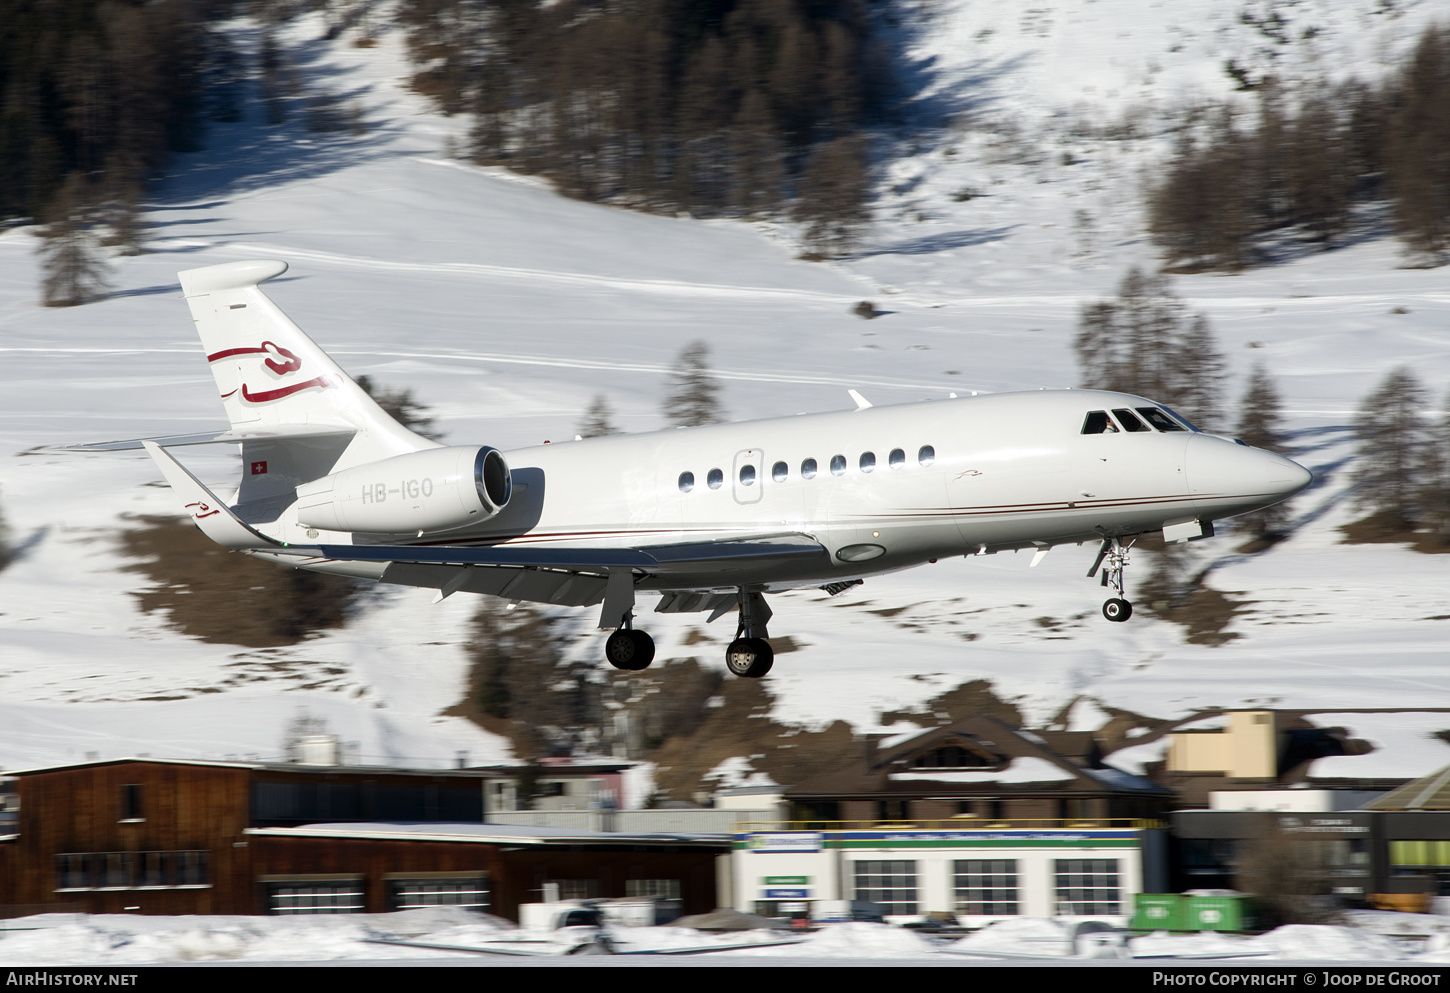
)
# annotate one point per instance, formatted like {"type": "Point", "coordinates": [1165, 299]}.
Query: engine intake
{"type": "Point", "coordinates": [438, 489]}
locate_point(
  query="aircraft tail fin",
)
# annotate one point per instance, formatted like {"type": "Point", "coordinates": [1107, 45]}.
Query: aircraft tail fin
{"type": "Point", "coordinates": [274, 382]}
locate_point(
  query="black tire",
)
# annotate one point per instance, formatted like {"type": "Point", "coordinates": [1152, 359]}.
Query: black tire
{"type": "Point", "coordinates": [1117, 610]}
{"type": "Point", "coordinates": [749, 657]}
{"type": "Point", "coordinates": [629, 650]}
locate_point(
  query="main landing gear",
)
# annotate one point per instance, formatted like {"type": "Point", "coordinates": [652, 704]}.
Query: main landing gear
{"type": "Point", "coordinates": [1113, 558]}
{"type": "Point", "coordinates": [629, 649]}
{"type": "Point", "coordinates": [750, 655]}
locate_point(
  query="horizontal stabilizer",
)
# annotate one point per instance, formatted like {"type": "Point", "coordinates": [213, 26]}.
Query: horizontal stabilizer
{"type": "Point", "coordinates": [653, 559]}
{"type": "Point", "coordinates": [281, 432]}
{"type": "Point", "coordinates": [211, 514]}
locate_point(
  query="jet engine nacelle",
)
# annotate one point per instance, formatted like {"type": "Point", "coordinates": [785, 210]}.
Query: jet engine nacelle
{"type": "Point", "coordinates": [437, 489]}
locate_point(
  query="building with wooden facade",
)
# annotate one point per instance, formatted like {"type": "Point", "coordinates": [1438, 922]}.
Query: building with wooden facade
{"type": "Point", "coordinates": [157, 836]}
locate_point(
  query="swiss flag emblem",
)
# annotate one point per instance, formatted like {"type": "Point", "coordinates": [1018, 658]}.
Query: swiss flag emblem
{"type": "Point", "coordinates": [259, 468]}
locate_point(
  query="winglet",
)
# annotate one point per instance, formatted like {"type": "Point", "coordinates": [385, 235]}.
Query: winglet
{"type": "Point", "coordinates": [211, 515]}
{"type": "Point", "coordinates": [861, 402]}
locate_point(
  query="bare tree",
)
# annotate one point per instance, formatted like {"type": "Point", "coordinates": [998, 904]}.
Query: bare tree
{"type": "Point", "coordinates": [694, 395]}
{"type": "Point", "coordinates": [598, 419]}
{"type": "Point", "coordinates": [300, 725]}
{"type": "Point", "coordinates": [74, 271]}
{"type": "Point", "coordinates": [1144, 342]}
{"type": "Point", "coordinates": [1392, 442]}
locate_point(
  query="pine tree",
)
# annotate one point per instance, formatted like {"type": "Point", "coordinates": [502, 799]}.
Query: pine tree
{"type": "Point", "coordinates": [7, 554]}
{"type": "Point", "coordinates": [694, 395]}
{"type": "Point", "coordinates": [74, 271]}
{"type": "Point", "coordinates": [1260, 426]}
{"type": "Point", "coordinates": [1435, 476]}
{"type": "Point", "coordinates": [401, 406]}
{"type": "Point", "coordinates": [598, 419]}
{"type": "Point", "coordinates": [1391, 454]}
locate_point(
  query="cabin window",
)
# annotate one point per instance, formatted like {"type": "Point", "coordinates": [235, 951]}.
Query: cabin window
{"type": "Point", "coordinates": [838, 465]}
{"type": "Point", "coordinates": [779, 472]}
{"type": "Point", "coordinates": [868, 461]}
{"type": "Point", "coordinates": [687, 482]}
{"type": "Point", "coordinates": [1129, 420]}
{"type": "Point", "coordinates": [1098, 422]}
{"type": "Point", "coordinates": [897, 458]}
{"type": "Point", "coordinates": [747, 475]}
{"type": "Point", "coordinates": [808, 469]}
{"type": "Point", "coordinates": [1159, 420]}
{"type": "Point", "coordinates": [715, 479]}
{"type": "Point", "coordinates": [927, 455]}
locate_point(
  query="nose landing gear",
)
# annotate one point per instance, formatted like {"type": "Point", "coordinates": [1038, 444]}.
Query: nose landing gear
{"type": "Point", "coordinates": [1113, 559]}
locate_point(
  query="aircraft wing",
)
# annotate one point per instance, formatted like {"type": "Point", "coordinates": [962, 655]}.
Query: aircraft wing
{"type": "Point", "coordinates": [654, 559]}
{"type": "Point", "coordinates": [233, 437]}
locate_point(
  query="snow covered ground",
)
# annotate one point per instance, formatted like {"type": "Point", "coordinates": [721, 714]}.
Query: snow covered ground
{"type": "Point", "coordinates": [506, 309]}
{"type": "Point", "coordinates": [120, 940]}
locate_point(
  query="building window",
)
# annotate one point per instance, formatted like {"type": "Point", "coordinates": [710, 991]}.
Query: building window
{"type": "Point", "coordinates": [468, 892]}
{"type": "Point", "coordinates": [891, 884]}
{"type": "Point", "coordinates": [324, 896]}
{"type": "Point", "coordinates": [1088, 886]}
{"type": "Point", "coordinates": [986, 886]}
{"type": "Point", "coordinates": [668, 889]}
{"type": "Point", "coordinates": [576, 889]}
{"type": "Point", "coordinates": [131, 803]}
{"type": "Point", "coordinates": [954, 757]}
{"type": "Point", "coordinates": [131, 870]}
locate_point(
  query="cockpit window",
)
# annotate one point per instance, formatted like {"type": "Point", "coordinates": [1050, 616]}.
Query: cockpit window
{"type": "Point", "coordinates": [1098, 422]}
{"type": "Point", "coordinates": [1182, 420]}
{"type": "Point", "coordinates": [1159, 420]}
{"type": "Point", "coordinates": [1129, 420]}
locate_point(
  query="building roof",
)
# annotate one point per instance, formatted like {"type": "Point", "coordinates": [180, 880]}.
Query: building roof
{"type": "Point", "coordinates": [481, 773]}
{"type": "Point", "coordinates": [509, 834]}
{"type": "Point", "coordinates": [1011, 761]}
{"type": "Point", "coordinates": [1430, 792]}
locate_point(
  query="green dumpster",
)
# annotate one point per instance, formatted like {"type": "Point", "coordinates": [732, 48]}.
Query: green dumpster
{"type": "Point", "coordinates": [1217, 913]}
{"type": "Point", "coordinates": [1157, 912]}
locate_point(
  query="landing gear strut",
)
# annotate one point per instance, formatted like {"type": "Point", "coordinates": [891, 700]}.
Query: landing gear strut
{"type": "Point", "coordinates": [750, 655]}
{"type": "Point", "coordinates": [1113, 558]}
{"type": "Point", "coordinates": [629, 649]}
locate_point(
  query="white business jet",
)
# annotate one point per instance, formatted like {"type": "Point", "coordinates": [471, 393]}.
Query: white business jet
{"type": "Point", "coordinates": [711, 518]}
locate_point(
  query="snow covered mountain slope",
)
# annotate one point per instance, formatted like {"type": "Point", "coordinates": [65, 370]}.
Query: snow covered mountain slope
{"type": "Point", "coordinates": [507, 308]}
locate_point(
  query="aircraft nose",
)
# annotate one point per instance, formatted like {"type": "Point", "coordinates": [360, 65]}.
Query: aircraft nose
{"type": "Point", "coordinates": [1226, 474]}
